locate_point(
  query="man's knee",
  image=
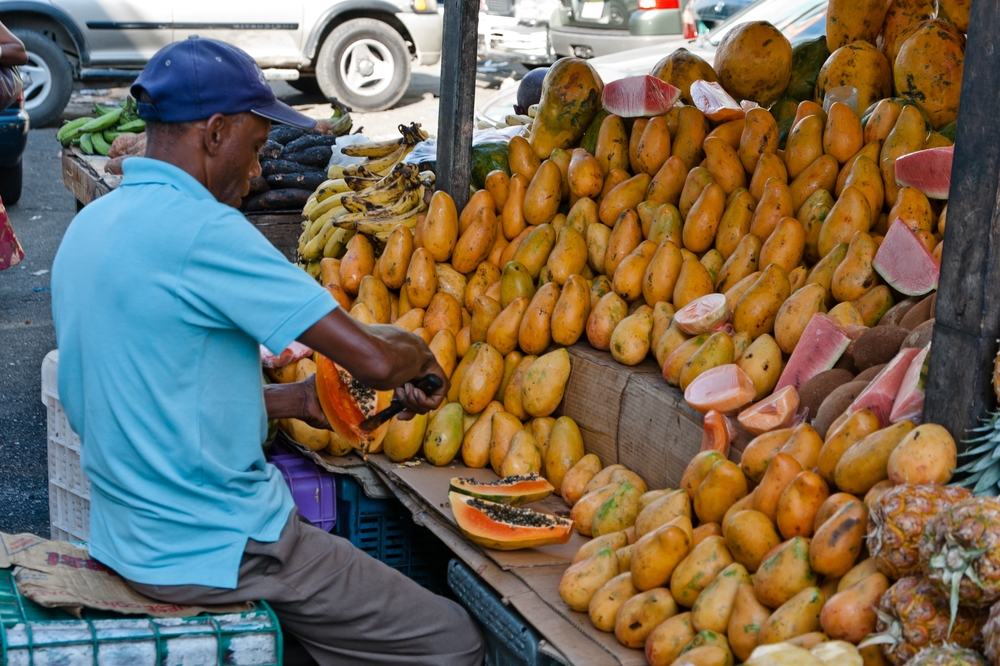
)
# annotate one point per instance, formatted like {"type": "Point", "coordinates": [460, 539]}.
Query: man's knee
{"type": "Point", "coordinates": [465, 643]}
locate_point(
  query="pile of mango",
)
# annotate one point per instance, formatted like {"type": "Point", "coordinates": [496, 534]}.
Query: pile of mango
{"type": "Point", "coordinates": [767, 551]}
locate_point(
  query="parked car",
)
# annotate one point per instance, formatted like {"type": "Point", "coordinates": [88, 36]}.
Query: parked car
{"type": "Point", "coordinates": [594, 28]}
{"type": "Point", "coordinates": [356, 50]}
{"type": "Point", "coordinates": [798, 20]}
{"type": "Point", "coordinates": [13, 139]}
{"type": "Point", "coordinates": [516, 30]}
{"type": "Point", "coordinates": [710, 13]}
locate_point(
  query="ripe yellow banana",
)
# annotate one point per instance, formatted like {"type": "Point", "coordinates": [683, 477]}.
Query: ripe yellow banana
{"type": "Point", "coordinates": [314, 248]}
{"type": "Point", "coordinates": [328, 204]}
{"type": "Point", "coordinates": [372, 149]}
{"type": "Point", "coordinates": [357, 184]}
{"type": "Point", "coordinates": [310, 204]}
{"type": "Point", "coordinates": [329, 188]}
{"type": "Point", "coordinates": [387, 224]}
{"type": "Point", "coordinates": [335, 171]}
{"type": "Point", "coordinates": [411, 198]}
{"type": "Point", "coordinates": [335, 244]}
{"type": "Point", "coordinates": [384, 193]}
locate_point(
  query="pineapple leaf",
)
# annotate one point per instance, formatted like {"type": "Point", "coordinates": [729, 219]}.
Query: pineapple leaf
{"type": "Point", "coordinates": [988, 447]}
{"type": "Point", "coordinates": [987, 481]}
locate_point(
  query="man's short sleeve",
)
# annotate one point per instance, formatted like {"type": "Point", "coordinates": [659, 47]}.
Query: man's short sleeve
{"type": "Point", "coordinates": [234, 277]}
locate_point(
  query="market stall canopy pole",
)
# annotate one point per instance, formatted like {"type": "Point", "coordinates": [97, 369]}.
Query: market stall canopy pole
{"type": "Point", "coordinates": [458, 98]}
{"type": "Point", "coordinates": [968, 302]}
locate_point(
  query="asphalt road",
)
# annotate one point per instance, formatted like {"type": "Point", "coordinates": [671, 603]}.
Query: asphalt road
{"type": "Point", "coordinates": [40, 219]}
{"type": "Point", "coordinates": [27, 335]}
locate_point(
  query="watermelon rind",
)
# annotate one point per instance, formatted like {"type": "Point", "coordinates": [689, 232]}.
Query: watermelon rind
{"type": "Point", "coordinates": [905, 263]}
{"type": "Point", "coordinates": [818, 350]}
{"type": "Point", "coordinates": [927, 170]}
{"type": "Point", "coordinates": [880, 394]}
{"type": "Point", "coordinates": [512, 528]}
{"type": "Point", "coordinates": [909, 402]}
{"type": "Point", "coordinates": [512, 491]}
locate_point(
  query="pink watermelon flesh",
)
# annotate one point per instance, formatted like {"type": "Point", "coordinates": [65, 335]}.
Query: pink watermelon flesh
{"type": "Point", "coordinates": [818, 350]}
{"type": "Point", "coordinates": [904, 262]}
{"type": "Point", "coordinates": [881, 393]}
{"type": "Point", "coordinates": [909, 402]}
{"type": "Point", "coordinates": [639, 97]}
{"type": "Point", "coordinates": [927, 170]}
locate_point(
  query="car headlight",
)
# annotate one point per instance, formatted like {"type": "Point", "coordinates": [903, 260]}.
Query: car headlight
{"type": "Point", "coordinates": [425, 6]}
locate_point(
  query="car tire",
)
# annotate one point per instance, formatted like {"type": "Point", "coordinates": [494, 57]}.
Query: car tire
{"type": "Point", "coordinates": [365, 64]}
{"type": "Point", "coordinates": [11, 178]}
{"type": "Point", "coordinates": [48, 78]}
{"type": "Point", "coordinates": [307, 85]}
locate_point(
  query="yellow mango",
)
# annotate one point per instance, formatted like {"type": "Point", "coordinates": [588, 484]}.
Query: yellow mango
{"type": "Point", "coordinates": [666, 225]}
{"type": "Point", "coordinates": [785, 246]}
{"type": "Point", "coordinates": [798, 616]}
{"type": "Point", "coordinates": [693, 282]}
{"type": "Point", "coordinates": [450, 281]}
{"type": "Point", "coordinates": [756, 311]}
{"type": "Point", "coordinates": [541, 199]}
{"type": "Point", "coordinates": [761, 360]}
{"type": "Point", "coordinates": [729, 132]}
{"type": "Point", "coordinates": [795, 313]}
{"type": "Point", "coordinates": [875, 303]}
{"type": "Point", "coordinates": [443, 347]}
{"type": "Point", "coordinates": [504, 330]}
{"type": "Point", "coordinates": [665, 643]}
{"type": "Point", "coordinates": [512, 214]}
{"type": "Point", "coordinates": [871, 150]}
{"type": "Point", "coordinates": [476, 442]}
{"type": "Point", "coordinates": [661, 273]}
{"type": "Point", "coordinates": [606, 601]}
{"type": "Point", "coordinates": [503, 427]}
{"type": "Point", "coordinates": [403, 439]}
{"type": "Point", "coordinates": [511, 397]}
{"type": "Point", "coordinates": [640, 615]}
{"type": "Point", "coordinates": [612, 145]}
{"type": "Point", "coordinates": [692, 128]}
{"type": "Point", "coordinates": [630, 339]}
{"type": "Point", "coordinates": [522, 157]}
{"type": "Point", "coordinates": [865, 176]}
{"type": "Point", "coordinates": [820, 175]}
{"type": "Point", "coordinates": [440, 230]}
{"type": "Point", "coordinates": [714, 606]}
{"type": "Point", "coordinates": [696, 181]}
{"type": "Point", "coordinates": [907, 136]}
{"type": "Point", "coordinates": [775, 204]}
{"type": "Point", "coordinates": [804, 146]}
{"type": "Point", "coordinates": [675, 361]}
{"type": "Point", "coordinates": [844, 135]}
{"type": "Point", "coordinates": [535, 330]}
{"type": "Point", "coordinates": [444, 434]}
{"type": "Point", "coordinates": [702, 220]}
{"type": "Point", "coordinates": [913, 207]}
{"type": "Point", "coordinates": [866, 462]}
{"type": "Point", "coordinates": [585, 175]}
{"type": "Point", "coordinates": [665, 345]}
{"type": "Point", "coordinates": [545, 382]}
{"type": "Point", "coordinates": [886, 111]}
{"type": "Point", "coordinates": [768, 166]}
{"type": "Point", "coordinates": [657, 554]}
{"type": "Point", "coordinates": [598, 237]}
{"type": "Point", "coordinates": [700, 566]}
{"type": "Point", "coordinates": [724, 164]}
{"type": "Point", "coordinates": [735, 293]}
{"type": "Point", "coordinates": [582, 580]}
{"type": "Point", "coordinates": [717, 350]}
{"type": "Point", "coordinates": [822, 272]}
{"type": "Point", "coordinates": [857, 426]}
{"type": "Point", "coordinates": [851, 213]}
{"type": "Point", "coordinates": [724, 485]}
{"type": "Point", "coordinates": [443, 312]}
{"type": "Point", "coordinates": [534, 251]}
{"type": "Point", "coordinates": [668, 182]}
{"type": "Point", "coordinates": [475, 243]}
{"type": "Point", "coordinates": [569, 256]}
{"type": "Point", "coordinates": [662, 510]}
{"type": "Point", "coordinates": [603, 319]}
{"type": "Point", "coordinates": [627, 280]}
{"type": "Point", "coordinates": [745, 621]}
{"type": "Point", "coordinates": [654, 146]}
{"type": "Point", "coordinates": [586, 507]}
{"type": "Point", "coordinates": [855, 275]}
{"type": "Point", "coordinates": [577, 478]}
{"type": "Point", "coordinates": [564, 449]}
{"type": "Point", "coordinates": [625, 237]}
{"type": "Point", "coordinates": [569, 317]}
{"type": "Point", "coordinates": [358, 261]}
{"type": "Point", "coordinates": [482, 380]}
{"type": "Point", "coordinates": [760, 135]}
{"type": "Point", "coordinates": [523, 456]}
{"type": "Point", "coordinates": [395, 257]}
{"type": "Point", "coordinates": [618, 512]}
{"type": "Point", "coordinates": [735, 223]}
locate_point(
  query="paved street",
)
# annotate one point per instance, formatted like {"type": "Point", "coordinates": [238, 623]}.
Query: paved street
{"type": "Point", "coordinates": [26, 333]}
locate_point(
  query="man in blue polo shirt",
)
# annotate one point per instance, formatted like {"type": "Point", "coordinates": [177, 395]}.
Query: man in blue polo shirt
{"type": "Point", "coordinates": [161, 293]}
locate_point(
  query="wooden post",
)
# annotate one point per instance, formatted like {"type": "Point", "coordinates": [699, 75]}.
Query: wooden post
{"type": "Point", "coordinates": [968, 303]}
{"type": "Point", "coordinates": [458, 98]}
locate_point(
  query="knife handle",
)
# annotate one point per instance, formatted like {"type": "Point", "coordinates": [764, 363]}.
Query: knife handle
{"type": "Point", "coordinates": [428, 384]}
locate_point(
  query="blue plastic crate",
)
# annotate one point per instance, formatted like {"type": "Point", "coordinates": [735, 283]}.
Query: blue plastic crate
{"type": "Point", "coordinates": [510, 640]}
{"type": "Point", "coordinates": [384, 529]}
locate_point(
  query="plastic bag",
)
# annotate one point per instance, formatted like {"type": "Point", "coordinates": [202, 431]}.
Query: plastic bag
{"type": "Point", "coordinates": [426, 151]}
{"type": "Point", "coordinates": [295, 352]}
{"type": "Point", "coordinates": [338, 158]}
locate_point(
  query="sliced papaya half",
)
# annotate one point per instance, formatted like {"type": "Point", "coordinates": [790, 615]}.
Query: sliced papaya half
{"type": "Point", "coordinates": [514, 490]}
{"type": "Point", "coordinates": [505, 527]}
{"type": "Point", "coordinates": [346, 403]}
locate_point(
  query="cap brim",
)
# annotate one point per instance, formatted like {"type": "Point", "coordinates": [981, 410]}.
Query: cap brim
{"type": "Point", "coordinates": [280, 112]}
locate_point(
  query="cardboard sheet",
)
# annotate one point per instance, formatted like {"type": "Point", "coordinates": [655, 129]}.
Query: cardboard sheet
{"type": "Point", "coordinates": [430, 484]}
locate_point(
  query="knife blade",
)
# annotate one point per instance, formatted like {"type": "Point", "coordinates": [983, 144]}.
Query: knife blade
{"type": "Point", "coordinates": [427, 384]}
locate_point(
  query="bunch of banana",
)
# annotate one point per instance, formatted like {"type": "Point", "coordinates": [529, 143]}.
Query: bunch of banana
{"type": "Point", "coordinates": [380, 156]}
{"type": "Point", "coordinates": [510, 120]}
{"type": "Point", "coordinates": [337, 211]}
{"type": "Point", "coordinates": [94, 135]}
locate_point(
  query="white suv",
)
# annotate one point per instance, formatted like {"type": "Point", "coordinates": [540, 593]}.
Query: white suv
{"type": "Point", "coordinates": [358, 51]}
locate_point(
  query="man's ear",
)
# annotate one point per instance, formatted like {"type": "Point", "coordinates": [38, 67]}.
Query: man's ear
{"type": "Point", "coordinates": [217, 127]}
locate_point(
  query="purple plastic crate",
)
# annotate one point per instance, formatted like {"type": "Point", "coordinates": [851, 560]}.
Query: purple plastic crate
{"type": "Point", "coordinates": [312, 488]}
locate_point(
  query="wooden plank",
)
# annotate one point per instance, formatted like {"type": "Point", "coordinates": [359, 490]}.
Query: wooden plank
{"type": "Point", "coordinates": [80, 180]}
{"type": "Point", "coordinates": [282, 229]}
{"type": "Point", "coordinates": [457, 99]}
{"type": "Point", "coordinates": [968, 310]}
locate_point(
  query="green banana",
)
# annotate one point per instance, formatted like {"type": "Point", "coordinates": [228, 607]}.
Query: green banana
{"type": "Point", "coordinates": [134, 126]}
{"type": "Point", "coordinates": [102, 123]}
{"type": "Point", "coordinates": [100, 110]}
{"type": "Point", "coordinates": [68, 132]}
{"type": "Point", "coordinates": [111, 135]}
{"type": "Point", "coordinates": [101, 147]}
{"type": "Point", "coordinates": [87, 143]}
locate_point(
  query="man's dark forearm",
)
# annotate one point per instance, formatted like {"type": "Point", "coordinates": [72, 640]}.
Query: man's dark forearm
{"type": "Point", "coordinates": [284, 401]}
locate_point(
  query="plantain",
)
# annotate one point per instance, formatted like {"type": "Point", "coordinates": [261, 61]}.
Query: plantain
{"type": "Point", "coordinates": [408, 206]}
{"type": "Point", "coordinates": [101, 147]}
{"type": "Point", "coordinates": [386, 225]}
{"type": "Point", "coordinates": [372, 149]}
{"type": "Point", "coordinates": [331, 202]}
{"type": "Point", "coordinates": [101, 123]}
{"type": "Point", "coordinates": [70, 130]}
{"type": "Point", "coordinates": [335, 171]}
{"type": "Point", "coordinates": [87, 143]}
{"type": "Point", "coordinates": [335, 243]}
{"type": "Point", "coordinates": [314, 248]}
{"type": "Point", "coordinates": [330, 187]}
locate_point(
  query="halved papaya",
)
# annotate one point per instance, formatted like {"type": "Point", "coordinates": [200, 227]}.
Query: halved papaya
{"type": "Point", "coordinates": [505, 527]}
{"type": "Point", "coordinates": [513, 490]}
{"type": "Point", "coordinates": [346, 403]}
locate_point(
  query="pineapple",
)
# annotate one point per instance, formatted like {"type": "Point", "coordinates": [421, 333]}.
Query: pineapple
{"type": "Point", "coordinates": [982, 472]}
{"type": "Point", "coordinates": [947, 655]}
{"type": "Point", "coordinates": [896, 524]}
{"type": "Point", "coordinates": [961, 552]}
{"type": "Point", "coordinates": [912, 616]}
{"type": "Point", "coordinates": [991, 635]}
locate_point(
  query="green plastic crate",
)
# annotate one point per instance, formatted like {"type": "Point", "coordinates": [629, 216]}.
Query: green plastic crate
{"type": "Point", "coordinates": [31, 635]}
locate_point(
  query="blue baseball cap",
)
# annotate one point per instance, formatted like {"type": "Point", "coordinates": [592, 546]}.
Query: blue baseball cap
{"type": "Point", "coordinates": [196, 78]}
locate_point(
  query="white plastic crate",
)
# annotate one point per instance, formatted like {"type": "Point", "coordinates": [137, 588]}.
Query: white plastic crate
{"type": "Point", "coordinates": [69, 490]}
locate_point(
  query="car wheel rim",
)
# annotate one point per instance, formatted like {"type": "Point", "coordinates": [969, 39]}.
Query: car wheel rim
{"type": "Point", "coordinates": [37, 79]}
{"type": "Point", "coordinates": [367, 67]}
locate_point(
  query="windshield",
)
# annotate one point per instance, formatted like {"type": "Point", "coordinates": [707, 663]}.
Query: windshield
{"type": "Point", "coordinates": [795, 18]}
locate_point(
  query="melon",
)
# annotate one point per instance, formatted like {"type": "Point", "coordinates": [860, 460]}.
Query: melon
{"type": "Point", "coordinates": [909, 402]}
{"type": "Point", "coordinates": [642, 96]}
{"type": "Point", "coordinates": [724, 388]}
{"type": "Point", "coordinates": [712, 100]}
{"type": "Point", "coordinates": [927, 170]}
{"type": "Point", "coordinates": [772, 413]}
{"type": "Point", "coordinates": [703, 315]}
{"type": "Point", "coordinates": [905, 263]}
{"type": "Point", "coordinates": [822, 344]}
{"type": "Point", "coordinates": [346, 403]}
{"type": "Point", "coordinates": [514, 490]}
{"type": "Point", "coordinates": [880, 395]}
{"type": "Point", "coordinates": [505, 527]}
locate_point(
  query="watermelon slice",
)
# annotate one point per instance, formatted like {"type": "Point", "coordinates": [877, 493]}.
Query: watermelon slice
{"type": "Point", "coordinates": [820, 347]}
{"type": "Point", "coordinates": [904, 262]}
{"type": "Point", "coordinates": [909, 402]}
{"type": "Point", "coordinates": [703, 315]}
{"type": "Point", "coordinates": [642, 96]}
{"type": "Point", "coordinates": [714, 102]}
{"type": "Point", "coordinates": [773, 412]}
{"type": "Point", "coordinates": [724, 388]}
{"type": "Point", "coordinates": [927, 170]}
{"type": "Point", "coordinates": [880, 395]}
